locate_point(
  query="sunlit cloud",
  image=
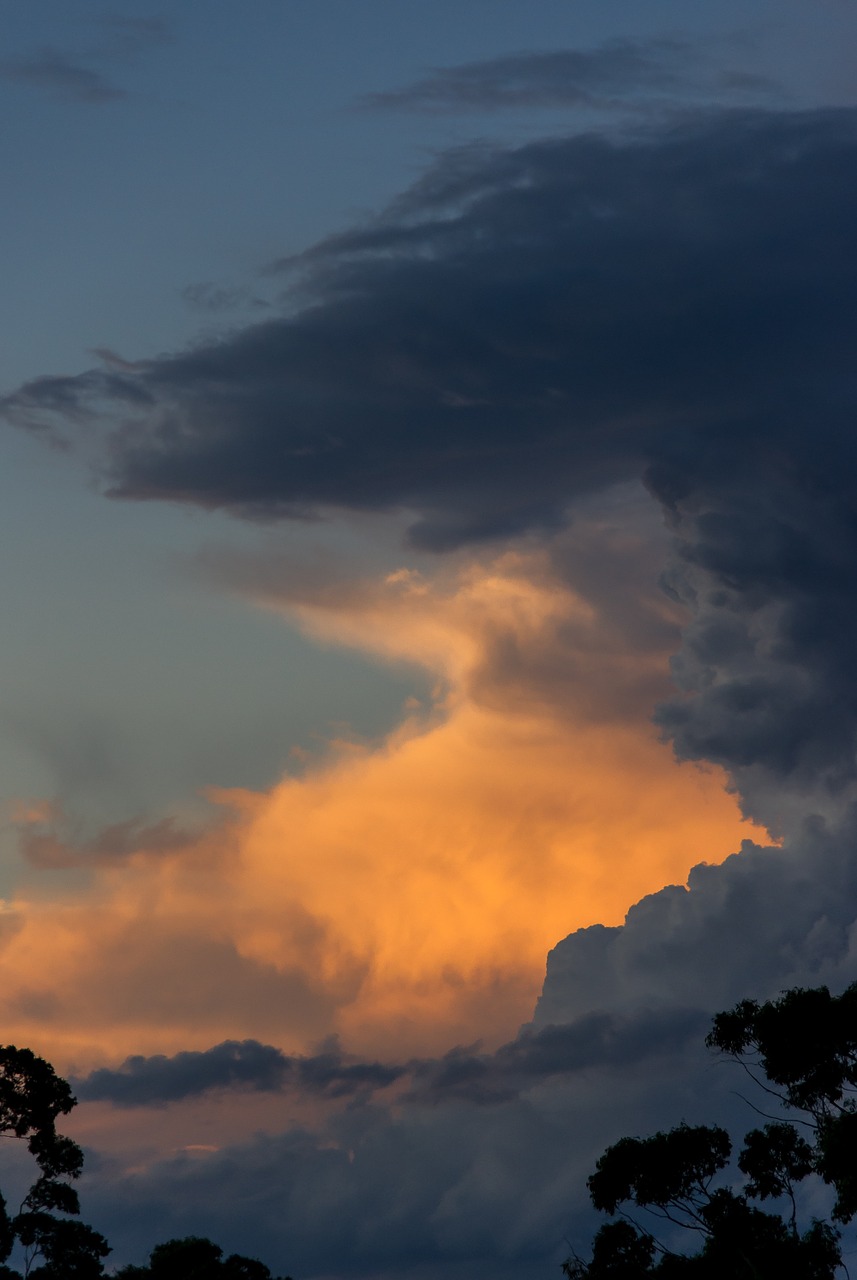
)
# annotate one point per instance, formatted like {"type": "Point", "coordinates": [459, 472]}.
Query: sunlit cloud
{"type": "Point", "coordinates": [402, 893]}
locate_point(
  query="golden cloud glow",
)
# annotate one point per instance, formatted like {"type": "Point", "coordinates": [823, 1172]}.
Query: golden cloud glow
{"type": "Point", "coordinates": [403, 894]}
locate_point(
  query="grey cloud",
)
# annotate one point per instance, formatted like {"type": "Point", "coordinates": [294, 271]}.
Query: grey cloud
{"type": "Point", "coordinates": [595, 1040]}
{"type": "Point", "coordinates": [49, 849]}
{"type": "Point", "coordinates": [426, 1186]}
{"type": "Point", "coordinates": [79, 76]}
{"type": "Point", "coordinates": [478, 1169]}
{"type": "Point", "coordinates": [244, 1064]}
{"type": "Point", "coordinates": [411, 1192]}
{"type": "Point", "coordinates": [158, 1079]}
{"type": "Point", "coordinates": [62, 76]}
{"type": "Point", "coordinates": [766, 565]}
{"type": "Point", "coordinates": [205, 296]}
{"type": "Point", "coordinates": [609, 76]}
{"type": "Point", "coordinates": [526, 327]}
{"type": "Point", "coordinates": [764, 920]}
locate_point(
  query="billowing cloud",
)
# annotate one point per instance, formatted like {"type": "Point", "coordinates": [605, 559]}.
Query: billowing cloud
{"type": "Point", "coordinates": [526, 327]}
{"type": "Point", "coordinates": [611, 76]}
{"type": "Point", "coordinates": [526, 333]}
{"type": "Point", "coordinates": [480, 1159]}
{"type": "Point", "coordinates": [402, 894]}
{"type": "Point", "coordinates": [522, 327]}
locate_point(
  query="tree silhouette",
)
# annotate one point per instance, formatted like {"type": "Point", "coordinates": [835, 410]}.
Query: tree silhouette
{"type": "Point", "coordinates": [194, 1258]}
{"type": "Point", "coordinates": [55, 1246]}
{"type": "Point", "coordinates": [801, 1050]}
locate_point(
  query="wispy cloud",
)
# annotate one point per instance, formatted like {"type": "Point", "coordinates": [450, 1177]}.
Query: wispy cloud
{"type": "Point", "coordinates": [85, 76]}
{"type": "Point", "coordinates": [607, 77]}
{"type": "Point", "coordinates": [62, 77]}
{"type": "Point", "coordinates": [46, 841]}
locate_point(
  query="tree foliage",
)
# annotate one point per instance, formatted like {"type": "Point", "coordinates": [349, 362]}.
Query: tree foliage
{"type": "Point", "coordinates": [194, 1258]}
{"type": "Point", "coordinates": [55, 1245]}
{"type": "Point", "coordinates": [801, 1049]}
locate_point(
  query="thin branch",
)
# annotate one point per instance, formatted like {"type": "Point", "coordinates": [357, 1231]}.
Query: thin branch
{"type": "Point", "coordinates": [766, 1115]}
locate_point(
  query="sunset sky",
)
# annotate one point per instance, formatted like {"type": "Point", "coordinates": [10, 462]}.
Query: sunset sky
{"type": "Point", "coordinates": [429, 552]}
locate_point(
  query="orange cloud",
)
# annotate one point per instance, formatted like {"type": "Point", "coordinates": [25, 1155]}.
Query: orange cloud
{"type": "Point", "coordinates": [403, 894]}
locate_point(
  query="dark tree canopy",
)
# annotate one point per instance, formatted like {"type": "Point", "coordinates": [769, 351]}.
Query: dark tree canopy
{"type": "Point", "coordinates": [56, 1246]}
{"type": "Point", "coordinates": [194, 1258]}
{"type": "Point", "coordinates": [802, 1050]}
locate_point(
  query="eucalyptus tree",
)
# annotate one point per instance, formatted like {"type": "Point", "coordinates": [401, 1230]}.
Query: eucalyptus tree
{"type": "Point", "coordinates": [801, 1051]}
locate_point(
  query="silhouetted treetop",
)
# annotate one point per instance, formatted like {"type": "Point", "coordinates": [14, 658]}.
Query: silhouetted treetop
{"type": "Point", "coordinates": [801, 1049]}
{"type": "Point", "coordinates": [195, 1258]}
{"type": "Point", "coordinates": [32, 1097]}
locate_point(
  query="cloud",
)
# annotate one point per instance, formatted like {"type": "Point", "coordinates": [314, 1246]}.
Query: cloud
{"type": "Point", "coordinates": [520, 339]}
{"type": "Point", "coordinates": [524, 327]}
{"type": "Point", "coordinates": [403, 893]}
{"type": "Point", "coordinates": [476, 1163]}
{"type": "Point", "coordinates": [72, 77]}
{"type": "Point", "coordinates": [234, 1064]}
{"type": "Point", "coordinates": [763, 920]}
{"type": "Point", "coordinates": [245, 1064]}
{"type": "Point", "coordinates": [205, 296]}
{"type": "Point", "coordinates": [529, 327]}
{"type": "Point", "coordinates": [44, 841]}
{"type": "Point", "coordinates": [593, 1040]}
{"type": "Point", "coordinates": [63, 77]}
{"type": "Point", "coordinates": [612, 76]}
{"type": "Point", "coordinates": [765, 669]}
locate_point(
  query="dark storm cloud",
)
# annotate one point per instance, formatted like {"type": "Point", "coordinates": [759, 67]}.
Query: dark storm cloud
{"type": "Point", "coordinates": [527, 326]}
{"type": "Point", "coordinates": [767, 565]}
{"type": "Point", "coordinates": [245, 1064]}
{"type": "Point", "coordinates": [482, 1185]}
{"type": "Point", "coordinates": [524, 326]}
{"type": "Point", "coordinates": [609, 76]}
{"type": "Point", "coordinates": [234, 1064]}
{"type": "Point", "coordinates": [595, 1040]}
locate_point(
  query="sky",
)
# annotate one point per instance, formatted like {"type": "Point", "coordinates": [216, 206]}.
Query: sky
{"type": "Point", "coordinates": [426, 679]}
